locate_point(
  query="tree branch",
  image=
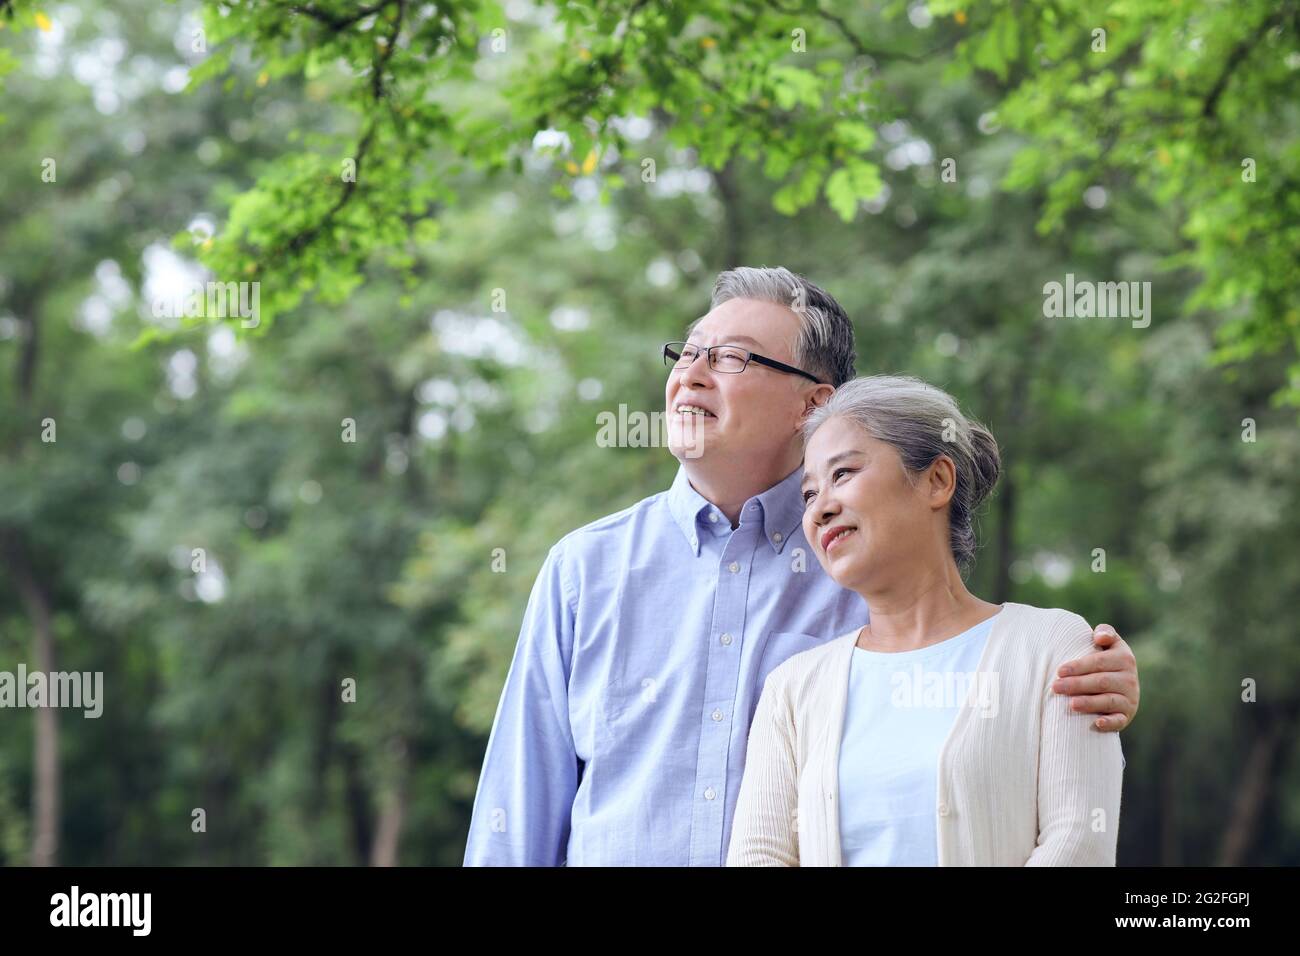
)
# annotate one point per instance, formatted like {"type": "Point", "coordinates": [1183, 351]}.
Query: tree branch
{"type": "Point", "coordinates": [1235, 59]}
{"type": "Point", "coordinates": [306, 236]}
{"type": "Point", "coordinates": [336, 21]}
{"type": "Point", "coordinates": [855, 41]}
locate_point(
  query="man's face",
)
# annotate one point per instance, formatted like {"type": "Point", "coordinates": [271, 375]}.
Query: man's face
{"type": "Point", "coordinates": [747, 416]}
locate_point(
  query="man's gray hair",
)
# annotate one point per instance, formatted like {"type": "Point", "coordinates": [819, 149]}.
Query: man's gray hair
{"type": "Point", "coordinates": [922, 422]}
{"type": "Point", "coordinates": [824, 346]}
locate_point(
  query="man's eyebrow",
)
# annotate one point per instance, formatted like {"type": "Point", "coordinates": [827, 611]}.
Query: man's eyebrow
{"type": "Point", "coordinates": [728, 339]}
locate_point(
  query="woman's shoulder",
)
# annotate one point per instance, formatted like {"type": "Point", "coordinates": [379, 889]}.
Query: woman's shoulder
{"type": "Point", "coordinates": [1046, 617]}
{"type": "Point", "coordinates": [1053, 631]}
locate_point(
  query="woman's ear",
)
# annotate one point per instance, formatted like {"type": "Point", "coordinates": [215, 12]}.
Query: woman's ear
{"type": "Point", "coordinates": [941, 482]}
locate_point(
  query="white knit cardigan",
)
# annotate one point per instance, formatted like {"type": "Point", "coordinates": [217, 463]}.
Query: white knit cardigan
{"type": "Point", "coordinates": [1032, 784]}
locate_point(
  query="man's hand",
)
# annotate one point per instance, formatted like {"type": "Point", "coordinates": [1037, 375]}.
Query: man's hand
{"type": "Point", "coordinates": [1104, 683]}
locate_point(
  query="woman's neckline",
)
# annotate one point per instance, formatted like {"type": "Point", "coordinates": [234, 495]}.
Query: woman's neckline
{"type": "Point", "coordinates": [927, 648]}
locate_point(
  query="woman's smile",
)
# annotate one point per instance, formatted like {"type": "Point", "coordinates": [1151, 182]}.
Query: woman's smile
{"type": "Point", "coordinates": [835, 535]}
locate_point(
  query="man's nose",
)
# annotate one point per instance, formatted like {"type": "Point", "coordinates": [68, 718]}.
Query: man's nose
{"type": "Point", "coordinates": [698, 372]}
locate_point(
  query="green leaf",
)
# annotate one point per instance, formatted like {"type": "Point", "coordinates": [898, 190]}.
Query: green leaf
{"type": "Point", "coordinates": [849, 184]}
{"type": "Point", "coordinates": [792, 86]}
{"type": "Point", "coordinates": [793, 196]}
{"type": "Point", "coordinates": [855, 135]}
{"type": "Point", "coordinates": [998, 45]}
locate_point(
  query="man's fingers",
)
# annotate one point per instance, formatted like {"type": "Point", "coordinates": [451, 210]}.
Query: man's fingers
{"type": "Point", "coordinates": [1105, 683]}
{"type": "Point", "coordinates": [1114, 659]}
{"type": "Point", "coordinates": [1111, 722]}
{"type": "Point", "coordinates": [1099, 704]}
{"type": "Point", "coordinates": [1104, 635]}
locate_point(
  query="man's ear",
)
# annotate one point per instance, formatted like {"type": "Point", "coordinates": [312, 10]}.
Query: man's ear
{"type": "Point", "coordinates": [814, 398]}
{"type": "Point", "coordinates": [817, 396]}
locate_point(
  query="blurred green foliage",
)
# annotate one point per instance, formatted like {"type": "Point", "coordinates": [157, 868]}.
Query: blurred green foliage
{"type": "Point", "coordinates": [502, 270]}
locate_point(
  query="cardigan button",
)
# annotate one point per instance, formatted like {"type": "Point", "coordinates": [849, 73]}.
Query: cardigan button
{"type": "Point", "coordinates": [943, 809]}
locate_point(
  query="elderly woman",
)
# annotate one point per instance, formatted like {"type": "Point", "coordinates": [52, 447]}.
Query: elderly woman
{"type": "Point", "coordinates": [930, 736]}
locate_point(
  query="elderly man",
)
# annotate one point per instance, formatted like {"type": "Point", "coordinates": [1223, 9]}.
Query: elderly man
{"type": "Point", "coordinates": [620, 736]}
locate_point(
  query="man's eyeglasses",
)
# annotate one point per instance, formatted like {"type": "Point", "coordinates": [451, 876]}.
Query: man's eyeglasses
{"type": "Point", "coordinates": [725, 358]}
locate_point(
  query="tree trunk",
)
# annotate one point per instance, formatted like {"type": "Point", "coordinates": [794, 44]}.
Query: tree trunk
{"type": "Point", "coordinates": [1015, 420]}
{"type": "Point", "coordinates": [45, 785]}
{"type": "Point", "coordinates": [1006, 537]}
{"type": "Point", "coordinates": [46, 788]}
{"type": "Point", "coordinates": [1170, 798]}
{"type": "Point", "coordinates": [323, 755]}
{"type": "Point", "coordinates": [734, 234]}
{"type": "Point", "coordinates": [45, 780]}
{"type": "Point", "coordinates": [357, 798]}
{"type": "Point", "coordinates": [1253, 789]}
{"type": "Point", "coordinates": [389, 830]}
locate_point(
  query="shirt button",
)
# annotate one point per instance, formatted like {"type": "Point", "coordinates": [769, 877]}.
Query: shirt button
{"type": "Point", "coordinates": [717, 715]}
{"type": "Point", "coordinates": [694, 542]}
{"type": "Point", "coordinates": [778, 537]}
{"type": "Point", "coordinates": [943, 809]}
{"type": "Point", "coordinates": [713, 516]}
{"type": "Point", "coordinates": [726, 639]}
{"type": "Point", "coordinates": [733, 567]}
{"type": "Point", "coordinates": [709, 794]}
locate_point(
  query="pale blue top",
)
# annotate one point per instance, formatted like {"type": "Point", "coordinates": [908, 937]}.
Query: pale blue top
{"type": "Point", "coordinates": [620, 736]}
{"type": "Point", "coordinates": [900, 709]}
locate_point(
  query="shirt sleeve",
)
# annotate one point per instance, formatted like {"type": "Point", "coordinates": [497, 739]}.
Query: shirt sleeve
{"type": "Point", "coordinates": [1080, 772]}
{"type": "Point", "coordinates": [763, 829]}
{"type": "Point", "coordinates": [530, 773]}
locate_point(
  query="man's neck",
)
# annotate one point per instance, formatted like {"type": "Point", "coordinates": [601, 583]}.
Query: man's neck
{"type": "Point", "coordinates": [728, 488]}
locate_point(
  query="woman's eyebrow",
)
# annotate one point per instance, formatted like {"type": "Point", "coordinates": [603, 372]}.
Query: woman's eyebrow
{"type": "Point", "coordinates": [838, 457]}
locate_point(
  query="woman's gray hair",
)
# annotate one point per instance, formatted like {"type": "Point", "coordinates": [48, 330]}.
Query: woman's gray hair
{"type": "Point", "coordinates": [825, 342]}
{"type": "Point", "coordinates": [922, 422]}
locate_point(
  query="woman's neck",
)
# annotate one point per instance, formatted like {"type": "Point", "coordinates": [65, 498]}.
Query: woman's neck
{"type": "Point", "coordinates": [920, 610]}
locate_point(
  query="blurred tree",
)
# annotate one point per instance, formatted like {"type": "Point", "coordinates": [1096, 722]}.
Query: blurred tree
{"type": "Point", "coordinates": [504, 267]}
{"type": "Point", "coordinates": [1179, 99]}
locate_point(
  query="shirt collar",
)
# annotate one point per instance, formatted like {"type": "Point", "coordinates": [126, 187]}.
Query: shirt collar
{"type": "Point", "coordinates": [781, 508]}
{"type": "Point", "coordinates": [686, 504]}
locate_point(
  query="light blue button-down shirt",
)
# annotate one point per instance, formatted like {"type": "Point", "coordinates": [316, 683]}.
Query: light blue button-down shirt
{"type": "Point", "coordinates": [620, 736]}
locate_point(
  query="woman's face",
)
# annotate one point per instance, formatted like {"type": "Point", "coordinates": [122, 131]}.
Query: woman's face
{"type": "Point", "coordinates": [862, 516]}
